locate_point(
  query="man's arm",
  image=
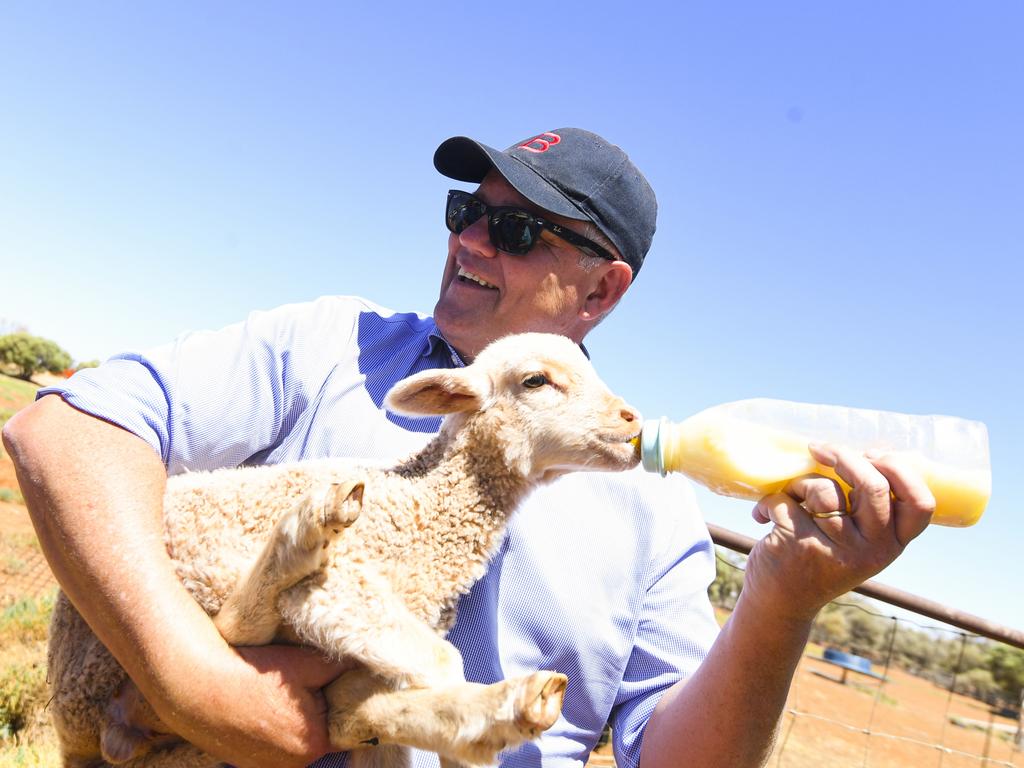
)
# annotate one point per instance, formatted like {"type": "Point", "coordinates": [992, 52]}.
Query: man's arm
{"type": "Point", "coordinates": [727, 712]}
{"type": "Point", "coordinates": [95, 494]}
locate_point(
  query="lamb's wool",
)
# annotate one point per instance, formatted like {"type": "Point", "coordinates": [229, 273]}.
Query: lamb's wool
{"type": "Point", "coordinates": [425, 533]}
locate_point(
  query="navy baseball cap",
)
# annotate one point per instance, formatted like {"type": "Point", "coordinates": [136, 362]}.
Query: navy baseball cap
{"type": "Point", "coordinates": [571, 172]}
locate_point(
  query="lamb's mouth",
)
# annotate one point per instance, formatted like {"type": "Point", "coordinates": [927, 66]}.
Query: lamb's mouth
{"type": "Point", "coordinates": [465, 275]}
{"type": "Point", "coordinates": [616, 442]}
{"type": "Point", "coordinates": [631, 437]}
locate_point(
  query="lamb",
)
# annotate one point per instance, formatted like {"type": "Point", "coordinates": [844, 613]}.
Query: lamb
{"type": "Point", "coordinates": [368, 563]}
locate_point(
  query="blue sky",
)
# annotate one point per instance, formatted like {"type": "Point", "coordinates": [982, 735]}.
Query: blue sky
{"type": "Point", "coordinates": [840, 190]}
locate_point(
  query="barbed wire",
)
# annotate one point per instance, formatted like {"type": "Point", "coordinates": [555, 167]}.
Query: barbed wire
{"type": "Point", "coordinates": [940, 747]}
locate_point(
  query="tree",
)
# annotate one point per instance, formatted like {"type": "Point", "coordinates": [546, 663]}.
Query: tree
{"type": "Point", "coordinates": [831, 627]}
{"type": "Point", "coordinates": [1007, 667]}
{"type": "Point", "coordinates": [29, 354]}
{"type": "Point", "coordinates": [725, 589]}
{"type": "Point", "coordinates": [977, 683]}
{"type": "Point", "coordinates": [916, 651]}
{"type": "Point", "coordinates": [868, 632]}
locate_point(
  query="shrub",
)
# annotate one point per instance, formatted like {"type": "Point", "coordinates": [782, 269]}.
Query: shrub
{"type": "Point", "coordinates": [23, 693]}
{"type": "Point", "coordinates": [28, 354]}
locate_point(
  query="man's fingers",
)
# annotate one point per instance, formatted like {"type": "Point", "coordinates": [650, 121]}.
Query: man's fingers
{"type": "Point", "coordinates": [784, 511]}
{"type": "Point", "coordinates": [870, 497]}
{"type": "Point", "coordinates": [913, 501]}
{"type": "Point", "coordinates": [818, 494]}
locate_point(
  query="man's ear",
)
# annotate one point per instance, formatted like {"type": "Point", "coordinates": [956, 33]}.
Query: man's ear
{"type": "Point", "coordinates": [437, 392]}
{"type": "Point", "coordinates": [611, 284]}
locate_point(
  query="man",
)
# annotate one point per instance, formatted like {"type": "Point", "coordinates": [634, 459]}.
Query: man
{"type": "Point", "coordinates": [601, 577]}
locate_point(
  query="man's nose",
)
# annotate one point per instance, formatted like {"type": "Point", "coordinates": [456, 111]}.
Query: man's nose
{"type": "Point", "coordinates": [477, 239]}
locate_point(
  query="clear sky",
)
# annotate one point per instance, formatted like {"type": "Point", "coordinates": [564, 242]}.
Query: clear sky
{"type": "Point", "coordinates": [841, 191]}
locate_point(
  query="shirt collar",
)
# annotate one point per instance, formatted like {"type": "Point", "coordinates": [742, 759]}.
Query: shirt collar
{"type": "Point", "coordinates": [436, 341]}
{"type": "Point", "coordinates": [439, 348]}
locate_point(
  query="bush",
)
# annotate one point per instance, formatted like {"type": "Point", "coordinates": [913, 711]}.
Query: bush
{"type": "Point", "coordinates": [23, 693]}
{"type": "Point", "coordinates": [28, 354]}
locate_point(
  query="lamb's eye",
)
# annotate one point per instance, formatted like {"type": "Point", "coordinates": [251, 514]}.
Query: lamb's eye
{"type": "Point", "coordinates": [535, 380]}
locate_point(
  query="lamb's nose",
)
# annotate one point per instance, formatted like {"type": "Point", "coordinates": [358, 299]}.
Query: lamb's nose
{"type": "Point", "coordinates": [628, 414]}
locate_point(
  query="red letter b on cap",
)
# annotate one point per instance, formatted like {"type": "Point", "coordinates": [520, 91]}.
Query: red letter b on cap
{"type": "Point", "coordinates": [541, 143]}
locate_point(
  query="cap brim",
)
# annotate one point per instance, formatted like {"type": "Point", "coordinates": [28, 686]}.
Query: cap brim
{"type": "Point", "coordinates": [464, 159]}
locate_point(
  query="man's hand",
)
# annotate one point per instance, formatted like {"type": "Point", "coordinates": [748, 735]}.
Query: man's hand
{"type": "Point", "coordinates": [263, 708]}
{"type": "Point", "coordinates": [819, 548]}
{"type": "Point", "coordinates": [727, 712]}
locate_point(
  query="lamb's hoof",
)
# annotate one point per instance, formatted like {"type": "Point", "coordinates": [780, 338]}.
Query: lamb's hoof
{"type": "Point", "coordinates": [330, 509]}
{"type": "Point", "coordinates": [539, 701]}
{"type": "Point", "coordinates": [342, 505]}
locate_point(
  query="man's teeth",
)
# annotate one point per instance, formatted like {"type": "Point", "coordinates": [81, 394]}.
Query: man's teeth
{"type": "Point", "coordinates": [474, 278]}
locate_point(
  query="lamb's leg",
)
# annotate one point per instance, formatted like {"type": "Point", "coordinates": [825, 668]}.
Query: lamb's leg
{"type": "Point", "coordinates": [130, 728]}
{"type": "Point", "coordinates": [350, 611]}
{"type": "Point", "coordinates": [297, 548]}
{"type": "Point", "coordinates": [468, 723]}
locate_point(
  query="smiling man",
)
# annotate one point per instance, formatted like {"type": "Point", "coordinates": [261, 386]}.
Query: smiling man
{"type": "Point", "coordinates": [575, 272]}
{"type": "Point", "coordinates": [601, 577]}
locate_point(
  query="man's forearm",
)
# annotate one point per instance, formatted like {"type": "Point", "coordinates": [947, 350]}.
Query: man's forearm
{"type": "Point", "coordinates": [727, 714]}
{"type": "Point", "coordinates": [95, 494]}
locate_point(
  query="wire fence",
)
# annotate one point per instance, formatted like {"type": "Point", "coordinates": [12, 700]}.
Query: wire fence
{"type": "Point", "coordinates": [856, 701]}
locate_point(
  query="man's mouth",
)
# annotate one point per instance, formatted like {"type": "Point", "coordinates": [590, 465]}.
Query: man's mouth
{"type": "Point", "coordinates": [464, 275]}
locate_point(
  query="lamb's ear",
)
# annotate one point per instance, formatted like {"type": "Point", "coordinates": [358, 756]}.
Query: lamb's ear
{"type": "Point", "coordinates": [437, 392]}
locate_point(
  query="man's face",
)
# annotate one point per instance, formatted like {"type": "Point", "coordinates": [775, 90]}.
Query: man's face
{"type": "Point", "coordinates": [544, 290]}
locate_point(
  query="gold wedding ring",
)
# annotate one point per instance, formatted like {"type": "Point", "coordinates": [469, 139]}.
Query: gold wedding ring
{"type": "Point", "coordinates": [833, 513]}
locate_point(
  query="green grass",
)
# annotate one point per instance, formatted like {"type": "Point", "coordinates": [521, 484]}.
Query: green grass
{"type": "Point", "coordinates": [12, 564]}
{"type": "Point", "coordinates": [11, 496]}
{"type": "Point", "coordinates": [23, 688]}
{"type": "Point", "coordinates": [16, 393]}
{"type": "Point", "coordinates": [26, 620]}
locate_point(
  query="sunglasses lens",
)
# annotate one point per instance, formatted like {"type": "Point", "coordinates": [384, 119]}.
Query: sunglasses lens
{"type": "Point", "coordinates": [513, 231]}
{"type": "Point", "coordinates": [462, 211]}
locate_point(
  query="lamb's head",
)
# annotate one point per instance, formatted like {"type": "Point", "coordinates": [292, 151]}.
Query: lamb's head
{"type": "Point", "coordinates": [535, 398]}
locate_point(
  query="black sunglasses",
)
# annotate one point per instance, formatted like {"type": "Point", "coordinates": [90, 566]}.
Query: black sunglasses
{"type": "Point", "coordinates": [511, 230]}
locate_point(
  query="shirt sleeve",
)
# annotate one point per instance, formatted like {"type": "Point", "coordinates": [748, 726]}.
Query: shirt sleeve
{"type": "Point", "coordinates": [212, 399]}
{"type": "Point", "coordinates": [675, 631]}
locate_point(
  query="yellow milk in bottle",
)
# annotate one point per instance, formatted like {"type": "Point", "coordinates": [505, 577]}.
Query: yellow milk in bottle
{"type": "Point", "coordinates": [752, 448]}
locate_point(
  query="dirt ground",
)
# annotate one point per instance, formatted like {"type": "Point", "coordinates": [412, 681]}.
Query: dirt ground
{"type": "Point", "coordinates": [23, 569]}
{"type": "Point", "coordinates": [904, 721]}
{"type": "Point", "coordinates": [834, 725]}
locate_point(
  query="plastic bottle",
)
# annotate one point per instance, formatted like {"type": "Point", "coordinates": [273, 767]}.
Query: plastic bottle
{"type": "Point", "coordinates": [752, 448]}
